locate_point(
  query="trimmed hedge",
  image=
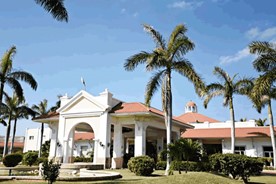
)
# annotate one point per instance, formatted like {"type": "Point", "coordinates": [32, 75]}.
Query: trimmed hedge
{"type": "Point", "coordinates": [183, 165]}
{"type": "Point", "coordinates": [83, 159]}
{"type": "Point", "coordinates": [238, 166]}
{"type": "Point", "coordinates": [30, 158]}
{"type": "Point", "coordinates": [141, 165]}
{"type": "Point", "coordinates": [12, 160]}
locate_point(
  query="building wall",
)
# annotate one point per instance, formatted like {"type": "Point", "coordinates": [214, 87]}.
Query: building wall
{"type": "Point", "coordinates": [227, 124]}
{"type": "Point", "coordinates": [32, 138]}
{"type": "Point", "coordinates": [79, 145]}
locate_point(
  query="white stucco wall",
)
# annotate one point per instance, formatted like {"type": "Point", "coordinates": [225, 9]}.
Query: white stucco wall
{"type": "Point", "coordinates": [227, 124]}
{"type": "Point", "coordinates": [32, 138]}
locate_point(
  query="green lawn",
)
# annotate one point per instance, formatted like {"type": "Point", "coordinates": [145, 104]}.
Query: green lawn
{"type": "Point", "coordinates": [189, 178]}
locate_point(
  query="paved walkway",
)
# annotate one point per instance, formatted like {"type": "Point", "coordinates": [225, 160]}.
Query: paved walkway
{"type": "Point", "coordinates": [269, 172]}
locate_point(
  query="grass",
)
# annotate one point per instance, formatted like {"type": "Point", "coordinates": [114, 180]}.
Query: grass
{"type": "Point", "coordinates": [159, 178]}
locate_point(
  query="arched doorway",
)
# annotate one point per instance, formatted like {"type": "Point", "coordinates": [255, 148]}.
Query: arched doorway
{"type": "Point", "coordinates": [80, 143]}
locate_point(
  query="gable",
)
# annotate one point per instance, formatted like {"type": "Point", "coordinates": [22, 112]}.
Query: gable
{"type": "Point", "coordinates": [83, 105]}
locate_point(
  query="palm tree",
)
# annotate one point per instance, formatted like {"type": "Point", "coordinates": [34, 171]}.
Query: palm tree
{"type": "Point", "coordinates": [20, 110]}
{"type": "Point", "coordinates": [6, 110]}
{"type": "Point", "coordinates": [260, 122]}
{"type": "Point", "coordinates": [227, 88]}
{"type": "Point", "coordinates": [41, 109]}
{"type": "Point", "coordinates": [55, 7]}
{"type": "Point", "coordinates": [165, 58]}
{"type": "Point", "coordinates": [12, 78]}
{"type": "Point", "coordinates": [264, 90]}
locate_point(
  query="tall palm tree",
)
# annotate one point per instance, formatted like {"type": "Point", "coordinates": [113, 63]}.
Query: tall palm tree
{"type": "Point", "coordinates": [227, 88]}
{"type": "Point", "coordinates": [20, 110]}
{"type": "Point", "coordinates": [41, 109]}
{"type": "Point", "coordinates": [11, 77]}
{"type": "Point", "coordinates": [55, 7]}
{"type": "Point", "coordinates": [164, 59]}
{"type": "Point", "coordinates": [6, 110]}
{"type": "Point", "coordinates": [260, 122]}
{"type": "Point", "coordinates": [264, 90]}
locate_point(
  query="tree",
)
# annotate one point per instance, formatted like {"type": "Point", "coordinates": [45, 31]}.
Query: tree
{"type": "Point", "coordinates": [164, 59]}
{"type": "Point", "coordinates": [260, 122]}
{"type": "Point", "coordinates": [41, 109]}
{"type": "Point", "coordinates": [50, 171]}
{"type": "Point", "coordinates": [19, 110]}
{"type": "Point", "coordinates": [264, 90]}
{"type": "Point", "coordinates": [227, 88]}
{"type": "Point", "coordinates": [11, 77]}
{"type": "Point", "coordinates": [184, 149]}
{"type": "Point", "coordinates": [55, 7]}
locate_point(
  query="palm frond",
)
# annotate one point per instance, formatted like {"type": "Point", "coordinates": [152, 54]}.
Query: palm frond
{"type": "Point", "coordinates": [16, 86]}
{"type": "Point", "coordinates": [208, 97]}
{"type": "Point", "coordinates": [220, 73]}
{"type": "Point", "coordinates": [157, 37]}
{"type": "Point", "coordinates": [6, 62]}
{"type": "Point", "coordinates": [156, 60]}
{"type": "Point", "coordinates": [133, 61]}
{"type": "Point", "coordinates": [185, 68]}
{"type": "Point", "coordinates": [55, 7]}
{"type": "Point", "coordinates": [26, 77]}
{"type": "Point", "coordinates": [180, 47]}
{"type": "Point", "coordinates": [153, 85]}
{"type": "Point", "coordinates": [258, 47]}
{"type": "Point", "coordinates": [178, 32]}
{"type": "Point", "coordinates": [243, 86]}
{"type": "Point", "coordinates": [265, 62]}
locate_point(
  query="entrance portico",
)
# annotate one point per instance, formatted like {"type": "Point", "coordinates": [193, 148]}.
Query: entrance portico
{"type": "Point", "coordinates": [116, 126]}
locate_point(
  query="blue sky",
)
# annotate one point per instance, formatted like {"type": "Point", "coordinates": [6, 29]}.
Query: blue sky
{"type": "Point", "coordinates": [102, 34]}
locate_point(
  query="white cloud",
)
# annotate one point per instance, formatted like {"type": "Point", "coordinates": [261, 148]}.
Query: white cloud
{"type": "Point", "coordinates": [186, 4]}
{"type": "Point", "coordinates": [255, 33]}
{"type": "Point", "coordinates": [244, 53]}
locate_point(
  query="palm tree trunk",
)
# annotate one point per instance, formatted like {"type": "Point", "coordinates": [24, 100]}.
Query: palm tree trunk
{"type": "Point", "coordinates": [1, 92]}
{"type": "Point", "coordinates": [5, 151]}
{"type": "Point", "coordinates": [168, 117]}
{"type": "Point", "coordinates": [13, 135]}
{"type": "Point", "coordinates": [232, 116]}
{"type": "Point", "coordinates": [272, 133]}
{"type": "Point", "coordinates": [41, 139]}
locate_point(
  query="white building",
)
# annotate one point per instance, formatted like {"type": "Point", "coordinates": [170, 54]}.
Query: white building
{"type": "Point", "coordinates": [83, 144]}
{"type": "Point", "coordinates": [118, 127]}
{"type": "Point", "coordinates": [251, 140]}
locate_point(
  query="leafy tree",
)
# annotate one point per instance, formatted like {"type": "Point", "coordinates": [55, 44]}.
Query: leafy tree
{"type": "Point", "coordinates": [164, 59]}
{"type": "Point", "coordinates": [45, 149]}
{"type": "Point", "coordinates": [55, 7]}
{"type": "Point", "coordinates": [10, 77]}
{"type": "Point", "coordinates": [264, 90]}
{"type": "Point", "coordinates": [19, 110]}
{"type": "Point", "coordinates": [41, 109]}
{"type": "Point", "coordinates": [227, 88]}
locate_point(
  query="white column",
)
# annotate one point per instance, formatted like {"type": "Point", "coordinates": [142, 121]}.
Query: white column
{"type": "Point", "coordinates": [53, 142]}
{"type": "Point", "coordinates": [117, 160]}
{"type": "Point", "coordinates": [60, 141]}
{"type": "Point", "coordinates": [140, 139]}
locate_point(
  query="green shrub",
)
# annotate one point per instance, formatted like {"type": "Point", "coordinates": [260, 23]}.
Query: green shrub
{"type": "Point", "coordinates": [190, 166]}
{"type": "Point", "coordinates": [12, 160]}
{"type": "Point", "coordinates": [141, 165]}
{"type": "Point", "coordinates": [41, 160]}
{"type": "Point", "coordinates": [238, 166]}
{"type": "Point", "coordinates": [83, 159]}
{"type": "Point", "coordinates": [161, 165]}
{"type": "Point", "coordinates": [50, 171]}
{"type": "Point", "coordinates": [30, 158]}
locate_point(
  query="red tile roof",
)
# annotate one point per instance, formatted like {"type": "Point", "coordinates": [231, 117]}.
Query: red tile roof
{"type": "Point", "coordinates": [83, 136]}
{"type": "Point", "coordinates": [225, 132]}
{"type": "Point", "coordinates": [16, 144]}
{"type": "Point", "coordinates": [191, 104]}
{"type": "Point", "coordinates": [193, 117]}
{"type": "Point", "coordinates": [136, 107]}
{"type": "Point", "coordinates": [46, 116]}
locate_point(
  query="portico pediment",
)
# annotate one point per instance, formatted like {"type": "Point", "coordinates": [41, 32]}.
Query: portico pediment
{"type": "Point", "coordinates": [82, 102]}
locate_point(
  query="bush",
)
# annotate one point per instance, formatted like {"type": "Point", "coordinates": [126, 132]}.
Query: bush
{"type": "Point", "coordinates": [50, 171]}
{"type": "Point", "coordinates": [41, 160]}
{"type": "Point", "coordinates": [30, 158]}
{"type": "Point", "coordinates": [238, 166]}
{"type": "Point", "coordinates": [161, 165]}
{"type": "Point", "coordinates": [190, 166]}
{"type": "Point", "coordinates": [83, 159]}
{"type": "Point", "coordinates": [12, 160]}
{"type": "Point", "coordinates": [141, 165]}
